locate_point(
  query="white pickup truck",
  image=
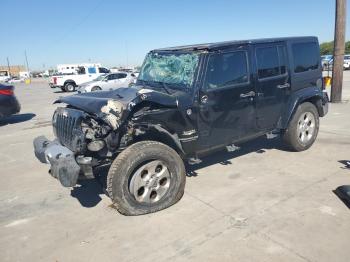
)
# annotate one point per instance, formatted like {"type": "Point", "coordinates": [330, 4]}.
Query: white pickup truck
{"type": "Point", "coordinates": [69, 82]}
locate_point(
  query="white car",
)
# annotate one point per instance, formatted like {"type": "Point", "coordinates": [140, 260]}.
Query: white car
{"type": "Point", "coordinates": [108, 82]}
{"type": "Point", "coordinates": [346, 62]}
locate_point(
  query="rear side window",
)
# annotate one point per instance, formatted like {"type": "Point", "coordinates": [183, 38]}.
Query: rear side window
{"type": "Point", "coordinates": [227, 69]}
{"type": "Point", "coordinates": [282, 54]}
{"type": "Point", "coordinates": [306, 57]}
{"type": "Point", "coordinates": [268, 62]}
{"type": "Point", "coordinates": [271, 61]}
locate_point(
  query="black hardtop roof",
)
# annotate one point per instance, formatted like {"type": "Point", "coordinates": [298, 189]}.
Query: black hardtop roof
{"type": "Point", "coordinates": [226, 44]}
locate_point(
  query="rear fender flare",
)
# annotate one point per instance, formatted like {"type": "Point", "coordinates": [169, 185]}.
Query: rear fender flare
{"type": "Point", "coordinates": [69, 81]}
{"type": "Point", "coordinates": [311, 94]}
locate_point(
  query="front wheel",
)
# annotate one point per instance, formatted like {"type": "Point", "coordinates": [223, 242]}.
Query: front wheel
{"type": "Point", "coordinates": [303, 128]}
{"type": "Point", "coordinates": [146, 177]}
{"type": "Point", "coordinates": [96, 88]}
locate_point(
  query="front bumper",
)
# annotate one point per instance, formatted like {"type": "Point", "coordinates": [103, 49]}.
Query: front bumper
{"type": "Point", "coordinates": [64, 164]}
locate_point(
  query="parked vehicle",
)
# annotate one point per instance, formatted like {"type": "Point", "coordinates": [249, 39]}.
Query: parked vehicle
{"type": "Point", "coordinates": [9, 104]}
{"type": "Point", "coordinates": [325, 59]}
{"type": "Point", "coordinates": [4, 75]}
{"type": "Point", "coordinates": [189, 101]}
{"type": "Point", "coordinates": [346, 62]}
{"type": "Point", "coordinates": [346, 65]}
{"type": "Point", "coordinates": [14, 80]}
{"type": "Point", "coordinates": [108, 82]}
{"type": "Point", "coordinates": [69, 82]}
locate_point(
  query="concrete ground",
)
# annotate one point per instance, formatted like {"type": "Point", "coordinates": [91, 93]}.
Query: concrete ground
{"type": "Point", "coordinates": [261, 203]}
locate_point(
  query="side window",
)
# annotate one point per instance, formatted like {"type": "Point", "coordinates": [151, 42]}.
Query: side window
{"type": "Point", "coordinates": [282, 55]}
{"type": "Point", "coordinates": [103, 70]}
{"type": "Point", "coordinates": [92, 70]}
{"type": "Point", "coordinates": [121, 76]}
{"type": "Point", "coordinates": [306, 57]}
{"type": "Point", "coordinates": [81, 70]}
{"type": "Point", "coordinates": [227, 69]}
{"type": "Point", "coordinates": [112, 77]}
{"type": "Point", "coordinates": [267, 61]}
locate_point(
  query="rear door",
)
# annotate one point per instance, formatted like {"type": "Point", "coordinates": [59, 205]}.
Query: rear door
{"type": "Point", "coordinates": [121, 80]}
{"type": "Point", "coordinates": [272, 83]}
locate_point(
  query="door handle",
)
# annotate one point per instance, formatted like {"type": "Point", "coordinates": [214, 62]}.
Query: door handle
{"type": "Point", "coordinates": [249, 94]}
{"type": "Point", "coordinates": [286, 85]}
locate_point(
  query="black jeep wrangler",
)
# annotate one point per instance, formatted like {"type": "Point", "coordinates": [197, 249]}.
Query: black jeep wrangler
{"type": "Point", "coordinates": [188, 101]}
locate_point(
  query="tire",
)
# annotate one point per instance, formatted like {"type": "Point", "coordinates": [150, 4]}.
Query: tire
{"type": "Point", "coordinates": [303, 128]}
{"type": "Point", "coordinates": [69, 87]}
{"type": "Point", "coordinates": [133, 178]}
{"type": "Point", "coordinates": [96, 88]}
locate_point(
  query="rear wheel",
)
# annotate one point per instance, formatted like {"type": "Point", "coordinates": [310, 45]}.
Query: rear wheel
{"type": "Point", "coordinates": [303, 128]}
{"type": "Point", "coordinates": [69, 87]}
{"type": "Point", "coordinates": [146, 177]}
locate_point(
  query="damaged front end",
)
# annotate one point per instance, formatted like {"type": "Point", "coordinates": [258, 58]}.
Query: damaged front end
{"type": "Point", "coordinates": [92, 130]}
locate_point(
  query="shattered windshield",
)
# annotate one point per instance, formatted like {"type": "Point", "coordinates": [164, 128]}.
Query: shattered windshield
{"type": "Point", "coordinates": [170, 68]}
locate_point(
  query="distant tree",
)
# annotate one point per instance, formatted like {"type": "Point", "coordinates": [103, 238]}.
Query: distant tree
{"type": "Point", "coordinates": [326, 48]}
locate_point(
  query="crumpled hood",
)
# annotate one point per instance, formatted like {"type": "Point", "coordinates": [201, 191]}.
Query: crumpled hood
{"type": "Point", "coordinates": [114, 106]}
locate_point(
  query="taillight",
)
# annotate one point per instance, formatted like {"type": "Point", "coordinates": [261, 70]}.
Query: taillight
{"type": "Point", "coordinates": [6, 92]}
{"type": "Point", "coordinates": [55, 80]}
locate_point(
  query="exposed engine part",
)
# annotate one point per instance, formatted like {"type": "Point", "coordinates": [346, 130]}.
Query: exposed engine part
{"type": "Point", "coordinates": [96, 145]}
{"type": "Point", "coordinates": [112, 111]}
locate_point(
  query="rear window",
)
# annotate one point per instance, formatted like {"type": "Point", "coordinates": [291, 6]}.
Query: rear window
{"type": "Point", "coordinates": [306, 57]}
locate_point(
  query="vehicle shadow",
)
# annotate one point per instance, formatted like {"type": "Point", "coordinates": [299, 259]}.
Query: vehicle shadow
{"type": "Point", "coordinates": [223, 157]}
{"type": "Point", "coordinates": [88, 192]}
{"type": "Point", "coordinates": [15, 119]}
{"type": "Point", "coordinates": [346, 164]}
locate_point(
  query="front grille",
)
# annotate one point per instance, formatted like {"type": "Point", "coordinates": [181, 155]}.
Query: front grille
{"type": "Point", "coordinates": [67, 127]}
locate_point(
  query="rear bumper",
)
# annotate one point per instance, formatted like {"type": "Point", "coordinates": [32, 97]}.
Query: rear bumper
{"type": "Point", "coordinates": [63, 162]}
{"type": "Point", "coordinates": [324, 105]}
{"type": "Point", "coordinates": [53, 85]}
{"type": "Point", "coordinates": [9, 106]}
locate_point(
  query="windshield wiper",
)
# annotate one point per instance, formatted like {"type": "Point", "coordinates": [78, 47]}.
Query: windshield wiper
{"type": "Point", "coordinates": [158, 83]}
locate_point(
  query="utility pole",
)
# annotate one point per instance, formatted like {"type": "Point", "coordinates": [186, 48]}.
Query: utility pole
{"type": "Point", "coordinates": [8, 66]}
{"type": "Point", "coordinates": [338, 53]}
{"type": "Point", "coordinates": [25, 54]}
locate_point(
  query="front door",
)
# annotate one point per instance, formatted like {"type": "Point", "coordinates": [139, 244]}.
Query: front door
{"type": "Point", "coordinates": [226, 100]}
{"type": "Point", "coordinates": [272, 83]}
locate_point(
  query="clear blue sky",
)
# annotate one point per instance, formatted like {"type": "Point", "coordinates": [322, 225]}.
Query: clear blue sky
{"type": "Point", "coordinates": [117, 32]}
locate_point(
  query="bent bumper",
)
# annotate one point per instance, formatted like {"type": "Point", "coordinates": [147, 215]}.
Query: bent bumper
{"type": "Point", "coordinates": [62, 160]}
